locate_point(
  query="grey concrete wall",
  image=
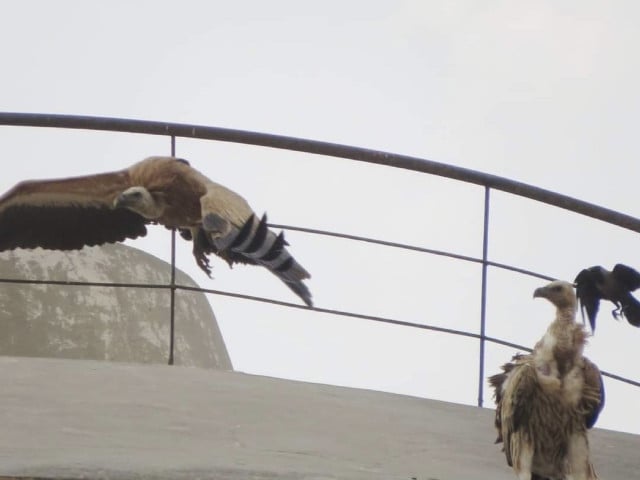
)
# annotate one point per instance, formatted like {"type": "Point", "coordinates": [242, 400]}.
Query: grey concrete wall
{"type": "Point", "coordinates": [105, 420]}
{"type": "Point", "coordinates": [103, 323]}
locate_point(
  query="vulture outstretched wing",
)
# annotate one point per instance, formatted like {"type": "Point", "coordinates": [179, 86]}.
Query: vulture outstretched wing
{"type": "Point", "coordinates": [70, 213]}
{"type": "Point", "coordinates": [67, 214]}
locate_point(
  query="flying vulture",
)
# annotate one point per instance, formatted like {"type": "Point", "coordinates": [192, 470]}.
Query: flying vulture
{"type": "Point", "coordinates": [69, 213]}
{"type": "Point", "coordinates": [548, 399]}
{"type": "Point", "coordinates": [596, 283]}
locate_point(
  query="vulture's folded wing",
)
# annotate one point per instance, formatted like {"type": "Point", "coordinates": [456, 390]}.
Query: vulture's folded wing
{"type": "Point", "coordinates": [519, 393]}
{"type": "Point", "coordinates": [498, 382]}
{"type": "Point", "coordinates": [593, 396]}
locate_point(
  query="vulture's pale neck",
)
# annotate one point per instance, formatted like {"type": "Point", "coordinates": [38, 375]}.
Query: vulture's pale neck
{"type": "Point", "coordinates": [560, 345]}
{"type": "Point", "coordinates": [563, 325]}
{"type": "Point", "coordinates": [566, 314]}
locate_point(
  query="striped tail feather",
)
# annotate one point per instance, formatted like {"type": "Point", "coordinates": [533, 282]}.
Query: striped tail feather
{"type": "Point", "coordinates": [255, 243]}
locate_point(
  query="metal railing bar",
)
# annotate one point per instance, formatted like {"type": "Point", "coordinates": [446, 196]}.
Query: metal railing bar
{"type": "Point", "coordinates": [286, 227]}
{"type": "Point", "coordinates": [240, 296]}
{"type": "Point", "coordinates": [172, 284]}
{"type": "Point", "coordinates": [323, 148]}
{"type": "Point", "coordinates": [483, 295]}
{"type": "Point", "coordinates": [620, 379]}
{"type": "Point", "coordinates": [385, 243]}
{"type": "Point", "coordinates": [84, 283]}
{"type": "Point", "coordinates": [259, 299]}
{"type": "Point", "coordinates": [336, 150]}
{"type": "Point", "coordinates": [506, 343]}
{"type": "Point", "coordinates": [415, 248]}
{"type": "Point", "coordinates": [292, 305]}
{"type": "Point", "coordinates": [604, 373]}
{"type": "Point", "coordinates": [386, 320]}
{"type": "Point", "coordinates": [504, 266]}
{"type": "Point", "coordinates": [172, 299]}
{"type": "Point", "coordinates": [331, 311]}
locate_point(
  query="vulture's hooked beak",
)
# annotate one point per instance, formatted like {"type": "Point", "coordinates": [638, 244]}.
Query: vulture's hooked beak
{"type": "Point", "coordinates": [121, 201]}
{"type": "Point", "coordinates": [540, 292]}
{"type": "Point", "coordinates": [127, 199]}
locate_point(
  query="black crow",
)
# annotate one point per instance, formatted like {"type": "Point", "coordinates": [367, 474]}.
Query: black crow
{"type": "Point", "coordinates": [596, 283]}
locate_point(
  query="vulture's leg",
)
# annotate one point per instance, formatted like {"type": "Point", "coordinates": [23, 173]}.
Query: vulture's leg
{"type": "Point", "coordinates": [200, 248]}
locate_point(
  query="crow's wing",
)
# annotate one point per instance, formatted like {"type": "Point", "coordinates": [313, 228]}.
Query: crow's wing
{"type": "Point", "coordinates": [627, 276]}
{"type": "Point", "coordinates": [588, 296]}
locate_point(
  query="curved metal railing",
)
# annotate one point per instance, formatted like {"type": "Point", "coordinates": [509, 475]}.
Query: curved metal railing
{"type": "Point", "coordinates": [489, 182]}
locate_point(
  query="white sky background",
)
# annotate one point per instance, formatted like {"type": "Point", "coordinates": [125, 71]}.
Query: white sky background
{"type": "Point", "coordinates": [532, 91]}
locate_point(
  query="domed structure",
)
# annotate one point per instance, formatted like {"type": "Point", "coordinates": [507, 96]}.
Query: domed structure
{"type": "Point", "coordinates": [104, 323]}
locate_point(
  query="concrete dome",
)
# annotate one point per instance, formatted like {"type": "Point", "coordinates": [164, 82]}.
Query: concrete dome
{"type": "Point", "coordinates": [103, 323]}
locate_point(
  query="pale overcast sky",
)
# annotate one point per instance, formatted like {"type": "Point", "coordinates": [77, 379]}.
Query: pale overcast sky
{"type": "Point", "coordinates": [543, 92]}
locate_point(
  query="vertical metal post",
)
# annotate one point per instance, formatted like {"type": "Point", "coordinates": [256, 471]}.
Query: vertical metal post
{"type": "Point", "coordinates": [483, 298]}
{"type": "Point", "coordinates": [172, 285]}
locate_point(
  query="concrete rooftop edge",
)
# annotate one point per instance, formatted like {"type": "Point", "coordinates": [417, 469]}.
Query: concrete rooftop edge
{"type": "Point", "coordinates": [88, 419]}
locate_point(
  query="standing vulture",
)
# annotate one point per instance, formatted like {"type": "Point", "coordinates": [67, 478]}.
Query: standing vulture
{"type": "Point", "coordinates": [67, 214]}
{"type": "Point", "coordinates": [596, 283]}
{"type": "Point", "coordinates": [546, 400]}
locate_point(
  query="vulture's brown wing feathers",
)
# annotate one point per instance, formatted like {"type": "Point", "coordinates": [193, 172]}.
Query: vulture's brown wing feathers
{"type": "Point", "coordinates": [497, 383]}
{"type": "Point", "coordinates": [67, 214]}
{"type": "Point", "coordinates": [516, 404]}
{"type": "Point", "coordinates": [593, 396]}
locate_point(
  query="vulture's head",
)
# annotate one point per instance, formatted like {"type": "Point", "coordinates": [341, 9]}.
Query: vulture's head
{"type": "Point", "coordinates": [559, 293]}
{"type": "Point", "coordinates": [139, 200]}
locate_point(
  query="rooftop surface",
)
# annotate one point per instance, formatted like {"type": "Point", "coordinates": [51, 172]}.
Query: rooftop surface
{"type": "Point", "coordinates": [88, 419]}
